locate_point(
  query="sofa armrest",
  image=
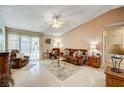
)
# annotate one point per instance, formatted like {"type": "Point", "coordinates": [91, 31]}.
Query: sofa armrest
{"type": "Point", "coordinates": [14, 59]}
{"type": "Point", "coordinates": [26, 56]}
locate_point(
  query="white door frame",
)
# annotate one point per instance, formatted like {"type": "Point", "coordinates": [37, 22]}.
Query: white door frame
{"type": "Point", "coordinates": [104, 45]}
{"type": "Point", "coordinates": [104, 41]}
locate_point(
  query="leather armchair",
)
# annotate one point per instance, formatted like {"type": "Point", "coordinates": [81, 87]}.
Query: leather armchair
{"type": "Point", "coordinates": [18, 62]}
{"type": "Point", "coordinates": [55, 52]}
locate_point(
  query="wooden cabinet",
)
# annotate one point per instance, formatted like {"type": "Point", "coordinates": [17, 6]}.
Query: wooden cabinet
{"type": "Point", "coordinates": [4, 62]}
{"type": "Point", "coordinates": [4, 68]}
{"type": "Point", "coordinates": [114, 79]}
{"type": "Point", "coordinates": [94, 61]}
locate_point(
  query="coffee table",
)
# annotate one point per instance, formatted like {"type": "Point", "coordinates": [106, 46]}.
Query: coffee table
{"type": "Point", "coordinates": [59, 59]}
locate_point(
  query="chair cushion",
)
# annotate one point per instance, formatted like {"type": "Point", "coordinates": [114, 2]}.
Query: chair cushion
{"type": "Point", "coordinates": [19, 55]}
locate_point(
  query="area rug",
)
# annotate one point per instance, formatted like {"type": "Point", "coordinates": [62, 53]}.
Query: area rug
{"type": "Point", "coordinates": [64, 71]}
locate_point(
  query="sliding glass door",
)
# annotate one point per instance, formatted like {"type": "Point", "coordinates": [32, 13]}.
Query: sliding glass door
{"type": "Point", "coordinates": [13, 42]}
{"type": "Point", "coordinates": [35, 48]}
{"type": "Point", "coordinates": [28, 45]}
{"type": "Point", "coordinates": [25, 45]}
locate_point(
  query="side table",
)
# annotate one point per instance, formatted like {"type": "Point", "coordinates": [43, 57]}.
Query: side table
{"type": "Point", "coordinates": [94, 61]}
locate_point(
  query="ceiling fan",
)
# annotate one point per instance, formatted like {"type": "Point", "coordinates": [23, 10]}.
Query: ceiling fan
{"type": "Point", "coordinates": [58, 21]}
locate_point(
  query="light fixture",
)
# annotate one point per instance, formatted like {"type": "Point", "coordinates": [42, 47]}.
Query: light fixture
{"type": "Point", "coordinates": [94, 50]}
{"type": "Point", "coordinates": [58, 21]}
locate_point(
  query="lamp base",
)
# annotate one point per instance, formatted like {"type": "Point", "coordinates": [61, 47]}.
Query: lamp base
{"type": "Point", "coordinates": [115, 70]}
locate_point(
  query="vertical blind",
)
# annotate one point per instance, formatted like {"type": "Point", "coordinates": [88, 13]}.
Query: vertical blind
{"type": "Point", "coordinates": [13, 42]}
{"type": "Point", "coordinates": [25, 45]}
{"type": "Point", "coordinates": [28, 45]}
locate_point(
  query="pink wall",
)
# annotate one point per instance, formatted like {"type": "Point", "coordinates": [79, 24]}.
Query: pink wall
{"type": "Point", "coordinates": [82, 36]}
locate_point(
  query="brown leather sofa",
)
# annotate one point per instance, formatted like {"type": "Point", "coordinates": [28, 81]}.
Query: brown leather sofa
{"type": "Point", "coordinates": [76, 60]}
{"type": "Point", "coordinates": [18, 62]}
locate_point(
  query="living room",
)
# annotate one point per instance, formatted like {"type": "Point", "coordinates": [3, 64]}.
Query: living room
{"type": "Point", "coordinates": [68, 42]}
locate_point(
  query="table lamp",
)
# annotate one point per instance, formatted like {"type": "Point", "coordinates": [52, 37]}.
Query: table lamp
{"type": "Point", "coordinates": [117, 58]}
{"type": "Point", "coordinates": [92, 49]}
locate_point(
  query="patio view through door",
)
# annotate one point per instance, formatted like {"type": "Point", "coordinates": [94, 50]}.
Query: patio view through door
{"type": "Point", "coordinates": [113, 34]}
{"type": "Point", "coordinates": [28, 45]}
{"type": "Point", "coordinates": [34, 48]}
{"type": "Point", "coordinates": [25, 45]}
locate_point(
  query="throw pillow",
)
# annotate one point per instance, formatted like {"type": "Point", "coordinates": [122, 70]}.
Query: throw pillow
{"type": "Point", "coordinates": [19, 55]}
{"type": "Point", "coordinates": [79, 53]}
{"type": "Point", "coordinates": [66, 52]}
{"type": "Point", "coordinates": [75, 54]}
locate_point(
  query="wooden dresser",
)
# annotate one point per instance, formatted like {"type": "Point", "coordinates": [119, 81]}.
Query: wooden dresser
{"type": "Point", "coordinates": [94, 61]}
{"type": "Point", "coordinates": [114, 79]}
{"type": "Point", "coordinates": [4, 67]}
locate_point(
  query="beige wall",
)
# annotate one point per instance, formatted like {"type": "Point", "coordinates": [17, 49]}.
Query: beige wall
{"type": "Point", "coordinates": [45, 46]}
{"type": "Point", "coordinates": [82, 36]}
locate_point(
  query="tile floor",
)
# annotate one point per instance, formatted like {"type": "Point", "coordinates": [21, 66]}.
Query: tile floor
{"type": "Point", "coordinates": [39, 76]}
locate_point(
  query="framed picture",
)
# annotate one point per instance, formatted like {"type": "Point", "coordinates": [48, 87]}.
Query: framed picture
{"type": "Point", "coordinates": [48, 41]}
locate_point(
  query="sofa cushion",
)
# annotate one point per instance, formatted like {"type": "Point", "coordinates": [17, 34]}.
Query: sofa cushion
{"type": "Point", "coordinates": [79, 53]}
{"type": "Point", "coordinates": [66, 52]}
{"type": "Point", "coordinates": [75, 54]}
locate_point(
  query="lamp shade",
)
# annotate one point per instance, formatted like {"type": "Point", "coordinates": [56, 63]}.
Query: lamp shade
{"type": "Point", "coordinates": [116, 49]}
{"type": "Point", "coordinates": [92, 47]}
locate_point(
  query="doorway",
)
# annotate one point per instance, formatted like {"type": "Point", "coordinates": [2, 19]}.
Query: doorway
{"type": "Point", "coordinates": [28, 45]}
{"type": "Point", "coordinates": [112, 34]}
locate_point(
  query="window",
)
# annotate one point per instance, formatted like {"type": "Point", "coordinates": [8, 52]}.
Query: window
{"type": "Point", "coordinates": [1, 40]}
{"type": "Point", "coordinates": [35, 48]}
{"type": "Point", "coordinates": [25, 44]}
{"type": "Point", "coordinates": [13, 42]}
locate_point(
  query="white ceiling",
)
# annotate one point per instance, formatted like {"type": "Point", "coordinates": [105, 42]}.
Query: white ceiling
{"type": "Point", "coordinates": [38, 18]}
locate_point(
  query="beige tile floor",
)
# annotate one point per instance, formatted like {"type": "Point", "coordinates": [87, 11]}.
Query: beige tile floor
{"type": "Point", "coordinates": [39, 76]}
